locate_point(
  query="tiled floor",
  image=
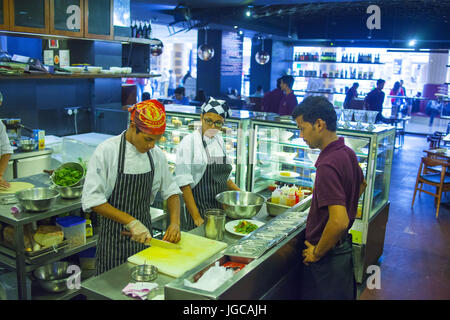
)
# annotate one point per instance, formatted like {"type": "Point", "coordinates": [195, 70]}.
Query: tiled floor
{"type": "Point", "coordinates": [416, 260]}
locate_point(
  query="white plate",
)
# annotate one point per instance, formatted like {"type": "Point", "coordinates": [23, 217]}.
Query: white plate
{"type": "Point", "coordinates": [292, 175]}
{"type": "Point", "coordinates": [229, 226]}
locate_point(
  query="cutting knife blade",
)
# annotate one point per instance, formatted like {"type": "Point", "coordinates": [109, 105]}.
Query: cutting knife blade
{"type": "Point", "coordinates": [164, 244]}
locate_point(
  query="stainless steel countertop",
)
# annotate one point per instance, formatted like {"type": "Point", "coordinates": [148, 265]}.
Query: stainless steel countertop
{"type": "Point", "coordinates": [109, 285]}
{"type": "Point", "coordinates": [17, 155]}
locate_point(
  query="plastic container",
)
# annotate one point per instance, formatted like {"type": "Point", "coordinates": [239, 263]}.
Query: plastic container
{"type": "Point", "coordinates": [87, 259]}
{"type": "Point", "coordinates": [74, 229]}
{"type": "Point", "coordinates": [276, 195]}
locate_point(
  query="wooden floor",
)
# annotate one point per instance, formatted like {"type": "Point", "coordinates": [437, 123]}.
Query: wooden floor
{"type": "Point", "coordinates": [416, 260]}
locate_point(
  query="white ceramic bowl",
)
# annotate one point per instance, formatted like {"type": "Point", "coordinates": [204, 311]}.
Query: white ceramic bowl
{"type": "Point", "coordinates": [94, 69]}
{"type": "Point", "coordinates": [116, 70]}
{"type": "Point", "coordinates": [74, 69]}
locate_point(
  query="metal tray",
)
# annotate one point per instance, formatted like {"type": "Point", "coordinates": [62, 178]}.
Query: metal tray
{"type": "Point", "coordinates": [31, 257]}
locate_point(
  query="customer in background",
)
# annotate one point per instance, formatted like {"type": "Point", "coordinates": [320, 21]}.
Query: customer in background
{"type": "Point", "coordinates": [5, 152]}
{"type": "Point", "coordinates": [351, 94]}
{"type": "Point", "coordinates": [272, 99]}
{"type": "Point", "coordinates": [190, 86]}
{"type": "Point", "coordinates": [172, 83]}
{"type": "Point", "coordinates": [415, 106]}
{"type": "Point", "coordinates": [288, 100]}
{"type": "Point", "coordinates": [146, 96]}
{"type": "Point", "coordinates": [259, 92]}
{"type": "Point", "coordinates": [200, 97]}
{"type": "Point", "coordinates": [179, 97]}
{"type": "Point", "coordinates": [396, 102]}
{"type": "Point", "coordinates": [433, 109]}
{"type": "Point", "coordinates": [374, 100]}
{"type": "Point", "coordinates": [328, 271]}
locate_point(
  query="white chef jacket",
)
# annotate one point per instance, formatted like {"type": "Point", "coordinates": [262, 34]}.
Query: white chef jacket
{"type": "Point", "coordinates": [191, 158]}
{"type": "Point", "coordinates": [5, 146]}
{"type": "Point", "coordinates": [102, 172]}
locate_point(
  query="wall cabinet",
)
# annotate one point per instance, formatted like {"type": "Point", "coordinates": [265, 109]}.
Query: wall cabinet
{"type": "Point", "coordinates": [29, 16]}
{"type": "Point", "coordinates": [4, 15]}
{"type": "Point", "coordinates": [72, 18]}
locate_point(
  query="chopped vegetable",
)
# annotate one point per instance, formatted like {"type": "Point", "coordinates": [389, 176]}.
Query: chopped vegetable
{"type": "Point", "coordinates": [245, 227]}
{"type": "Point", "coordinates": [67, 176]}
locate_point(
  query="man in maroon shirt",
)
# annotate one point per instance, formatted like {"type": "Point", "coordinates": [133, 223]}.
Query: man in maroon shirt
{"type": "Point", "coordinates": [272, 99]}
{"type": "Point", "coordinates": [289, 100]}
{"type": "Point", "coordinates": [328, 271]}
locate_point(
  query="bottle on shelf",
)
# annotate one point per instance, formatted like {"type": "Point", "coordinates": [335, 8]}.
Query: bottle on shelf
{"type": "Point", "coordinates": [133, 28]}
{"type": "Point", "coordinates": [89, 229]}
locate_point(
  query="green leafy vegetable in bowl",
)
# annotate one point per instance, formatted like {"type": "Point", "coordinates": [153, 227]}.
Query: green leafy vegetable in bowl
{"type": "Point", "coordinates": [245, 227]}
{"type": "Point", "coordinates": [67, 176]}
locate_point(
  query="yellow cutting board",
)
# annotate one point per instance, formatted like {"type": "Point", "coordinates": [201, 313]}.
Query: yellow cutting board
{"type": "Point", "coordinates": [174, 262]}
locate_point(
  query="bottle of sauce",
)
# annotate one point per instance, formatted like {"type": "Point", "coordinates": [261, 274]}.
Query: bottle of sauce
{"type": "Point", "coordinates": [276, 195]}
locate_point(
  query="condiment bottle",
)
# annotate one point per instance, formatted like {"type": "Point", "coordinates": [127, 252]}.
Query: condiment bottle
{"type": "Point", "coordinates": [276, 195]}
{"type": "Point", "coordinates": [291, 198]}
{"type": "Point", "coordinates": [89, 229]}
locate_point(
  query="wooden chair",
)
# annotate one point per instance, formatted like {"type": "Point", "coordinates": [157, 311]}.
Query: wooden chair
{"type": "Point", "coordinates": [439, 180]}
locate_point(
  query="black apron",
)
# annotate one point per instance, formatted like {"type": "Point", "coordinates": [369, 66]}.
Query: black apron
{"type": "Point", "coordinates": [131, 194]}
{"type": "Point", "coordinates": [332, 277]}
{"type": "Point", "coordinates": [213, 182]}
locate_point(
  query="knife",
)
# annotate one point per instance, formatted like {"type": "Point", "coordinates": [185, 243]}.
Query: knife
{"type": "Point", "coordinates": [156, 242]}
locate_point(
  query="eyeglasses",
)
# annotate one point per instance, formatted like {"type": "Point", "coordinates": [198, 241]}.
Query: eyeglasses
{"type": "Point", "coordinates": [217, 124]}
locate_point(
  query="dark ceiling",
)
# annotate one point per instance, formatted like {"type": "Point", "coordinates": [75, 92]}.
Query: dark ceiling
{"type": "Point", "coordinates": [428, 21]}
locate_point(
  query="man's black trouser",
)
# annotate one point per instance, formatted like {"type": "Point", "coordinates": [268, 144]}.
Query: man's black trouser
{"type": "Point", "coordinates": [332, 277]}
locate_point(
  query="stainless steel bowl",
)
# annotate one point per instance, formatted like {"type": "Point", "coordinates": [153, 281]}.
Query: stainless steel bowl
{"type": "Point", "coordinates": [69, 192]}
{"type": "Point", "coordinates": [37, 199]}
{"type": "Point", "coordinates": [144, 273]}
{"type": "Point", "coordinates": [27, 144]}
{"type": "Point", "coordinates": [240, 204]}
{"type": "Point", "coordinates": [71, 165]}
{"type": "Point", "coordinates": [53, 277]}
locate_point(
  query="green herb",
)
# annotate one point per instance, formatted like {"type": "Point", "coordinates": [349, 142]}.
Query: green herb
{"type": "Point", "coordinates": [67, 176]}
{"type": "Point", "coordinates": [245, 227]}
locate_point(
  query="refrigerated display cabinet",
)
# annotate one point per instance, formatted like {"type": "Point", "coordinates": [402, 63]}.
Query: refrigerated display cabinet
{"type": "Point", "coordinates": [278, 156]}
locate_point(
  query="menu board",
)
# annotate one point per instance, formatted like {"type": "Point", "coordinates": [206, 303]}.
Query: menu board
{"type": "Point", "coordinates": [232, 47]}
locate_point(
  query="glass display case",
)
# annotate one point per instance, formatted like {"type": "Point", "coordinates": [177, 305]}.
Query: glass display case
{"type": "Point", "coordinates": [278, 156]}
{"type": "Point", "coordinates": [182, 120]}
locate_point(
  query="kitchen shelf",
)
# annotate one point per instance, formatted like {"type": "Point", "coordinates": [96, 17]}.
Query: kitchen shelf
{"type": "Point", "coordinates": [338, 62]}
{"type": "Point", "coordinates": [305, 147]}
{"type": "Point", "coordinates": [77, 76]}
{"type": "Point", "coordinates": [297, 181]}
{"type": "Point", "coordinates": [326, 78]}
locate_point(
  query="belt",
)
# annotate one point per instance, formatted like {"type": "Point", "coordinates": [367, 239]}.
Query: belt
{"type": "Point", "coordinates": [342, 240]}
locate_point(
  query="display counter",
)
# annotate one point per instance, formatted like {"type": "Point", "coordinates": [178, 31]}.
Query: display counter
{"type": "Point", "coordinates": [255, 281]}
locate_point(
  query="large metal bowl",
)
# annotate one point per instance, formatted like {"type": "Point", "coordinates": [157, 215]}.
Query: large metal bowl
{"type": "Point", "coordinates": [71, 165]}
{"type": "Point", "coordinates": [37, 199]}
{"type": "Point", "coordinates": [69, 192]}
{"type": "Point", "coordinates": [53, 277]}
{"type": "Point", "coordinates": [240, 204]}
{"type": "Point", "coordinates": [27, 144]}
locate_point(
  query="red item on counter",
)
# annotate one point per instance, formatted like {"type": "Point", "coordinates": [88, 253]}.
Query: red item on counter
{"type": "Point", "coordinates": [234, 265]}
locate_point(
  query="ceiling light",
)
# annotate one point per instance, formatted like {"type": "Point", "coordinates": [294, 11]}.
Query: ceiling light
{"type": "Point", "coordinates": [241, 32]}
{"type": "Point", "coordinates": [236, 27]}
{"type": "Point", "coordinates": [248, 13]}
{"type": "Point", "coordinates": [412, 43]}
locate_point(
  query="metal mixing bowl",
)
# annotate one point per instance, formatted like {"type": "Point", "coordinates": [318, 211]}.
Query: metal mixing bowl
{"type": "Point", "coordinates": [27, 144]}
{"type": "Point", "coordinates": [69, 192]}
{"type": "Point", "coordinates": [71, 165]}
{"type": "Point", "coordinates": [53, 277]}
{"type": "Point", "coordinates": [37, 199]}
{"type": "Point", "coordinates": [144, 273]}
{"type": "Point", "coordinates": [240, 204]}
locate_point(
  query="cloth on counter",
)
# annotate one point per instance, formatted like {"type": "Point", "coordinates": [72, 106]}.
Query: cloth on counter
{"type": "Point", "coordinates": [191, 158]}
{"type": "Point", "coordinates": [149, 116]}
{"type": "Point", "coordinates": [101, 175]}
{"type": "Point", "coordinates": [139, 289]}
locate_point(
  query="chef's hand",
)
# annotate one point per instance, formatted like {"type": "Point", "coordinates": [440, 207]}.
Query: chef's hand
{"type": "Point", "coordinates": [199, 221]}
{"type": "Point", "coordinates": [139, 232]}
{"type": "Point", "coordinates": [3, 183]}
{"type": "Point", "coordinates": [308, 253]}
{"type": "Point", "coordinates": [172, 233]}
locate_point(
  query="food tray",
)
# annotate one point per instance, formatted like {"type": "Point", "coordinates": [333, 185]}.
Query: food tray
{"type": "Point", "coordinates": [275, 209]}
{"type": "Point", "coordinates": [31, 257]}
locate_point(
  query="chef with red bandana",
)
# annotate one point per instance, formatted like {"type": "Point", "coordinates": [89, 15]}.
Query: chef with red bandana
{"type": "Point", "coordinates": [124, 175]}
